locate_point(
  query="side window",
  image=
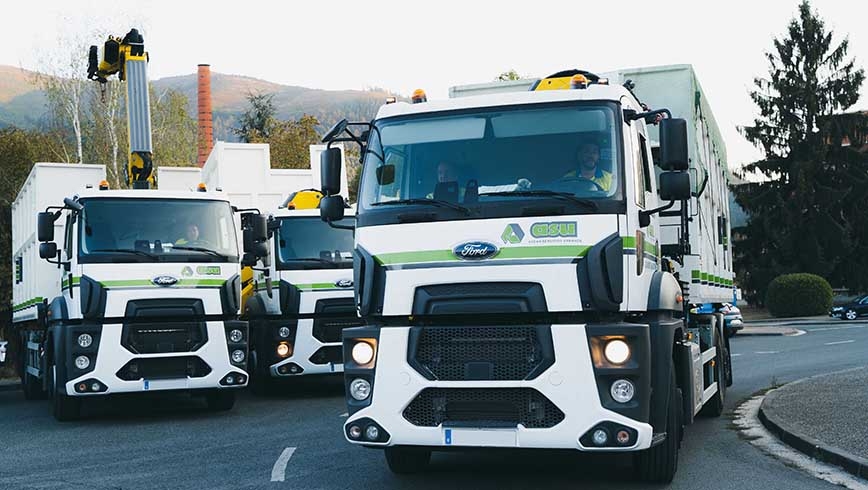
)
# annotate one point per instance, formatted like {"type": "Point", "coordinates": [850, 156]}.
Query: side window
{"type": "Point", "coordinates": [646, 167]}
{"type": "Point", "coordinates": [865, 300]}
{"type": "Point", "coordinates": [67, 239]}
{"type": "Point", "coordinates": [642, 170]}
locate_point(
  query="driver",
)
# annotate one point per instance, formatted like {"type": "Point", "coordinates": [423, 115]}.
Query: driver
{"type": "Point", "coordinates": [589, 166]}
{"type": "Point", "coordinates": [191, 235]}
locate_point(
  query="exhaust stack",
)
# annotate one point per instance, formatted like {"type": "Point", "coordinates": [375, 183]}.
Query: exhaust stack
{"type": "Point", "coordinates": [206, 140]}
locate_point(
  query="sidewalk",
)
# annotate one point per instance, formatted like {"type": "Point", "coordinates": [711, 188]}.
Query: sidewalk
{"type": "Point", "coordinates": [10, 384]}
{"type": "Point", "coordinates": [823, 417]}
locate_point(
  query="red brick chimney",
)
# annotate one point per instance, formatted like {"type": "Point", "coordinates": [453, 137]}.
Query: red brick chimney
{"type": "Point", "coordinates": [206, 140]}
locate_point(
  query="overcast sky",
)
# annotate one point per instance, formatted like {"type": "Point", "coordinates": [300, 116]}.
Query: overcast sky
{"type": "Point", "coordinates": [404, 45]}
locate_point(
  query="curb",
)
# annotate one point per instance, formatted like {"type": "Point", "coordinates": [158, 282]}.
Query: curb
{"type": "Point", "coordinates": [10, 386]}
{"type": "Point", "coordinates": [809, 446]}
{"type": "Point", "coordinates": [783, 332]}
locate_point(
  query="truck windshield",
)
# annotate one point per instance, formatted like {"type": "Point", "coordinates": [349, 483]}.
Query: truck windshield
{"type": "Point", "coordinates": [310, 243]}
{"type": "Point", "coordinates": [495, 162]}
{"type": "Point", "coordinates": [156, 230]}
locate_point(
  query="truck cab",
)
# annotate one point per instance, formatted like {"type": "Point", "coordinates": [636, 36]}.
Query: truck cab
{"type": "Point", "coordinates": [297, 325]}
{"type": "Point", "coordinates": [511, 276]}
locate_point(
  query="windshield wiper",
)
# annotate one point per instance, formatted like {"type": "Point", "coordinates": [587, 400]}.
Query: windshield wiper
{"type": "Point", "coordinates": [569, 196]}
{"type": "Point", "coordinates": [432, 202]}
{"type": "Point", "coordinates": [128, 251]}
{"type": "Point", "coordinates": [202, 249]}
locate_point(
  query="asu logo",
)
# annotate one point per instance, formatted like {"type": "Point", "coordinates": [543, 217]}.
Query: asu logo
{"type": "Point", "coordinates": [512, 234]}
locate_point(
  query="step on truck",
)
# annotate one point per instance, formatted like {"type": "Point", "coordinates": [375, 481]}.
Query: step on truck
{"type": "Point", "coordinates": [126, 291]}
{"type": "Point", "coordinates": [296, 325]}
{"type": "Point", "coordinates": [523, 267]}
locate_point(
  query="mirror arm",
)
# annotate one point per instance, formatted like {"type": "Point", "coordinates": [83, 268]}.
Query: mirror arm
{"type": "Point", "coordinates": [654, 211]}
{"type": "Point", "coordinates": [650, 117]}
{"type": "Point", "coordinates": [702, 186]}
{"type": "Point", "coordinates": [340, 227]}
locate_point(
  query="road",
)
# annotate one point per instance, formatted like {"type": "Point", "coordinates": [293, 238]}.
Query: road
{"type": "Point", "coordinates": [171, 442]}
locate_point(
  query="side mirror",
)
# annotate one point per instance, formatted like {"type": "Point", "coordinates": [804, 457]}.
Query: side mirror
{"type": "Point", "coordinates": [255, 237]}
{"type": "Point", "coordinates": [47, 250]}
{"type": "Point", "coordinates": [673, 145]}
{"type": "Point", "coordinates": [45, 227]}
{"type": "Point", "coordinates": [385, 174]}
{"type": "Point", "coordinates": [331, 208]}
{"type": "Point", "coordinates": [330, 171]}
{"type": "Point", "coordinates": [674, 186]}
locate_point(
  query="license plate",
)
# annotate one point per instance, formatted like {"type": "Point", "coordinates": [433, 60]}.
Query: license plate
{"type": "Point", "coordinates": [165, 384]}
{"type": "Point", "coordinates": [480, 437]}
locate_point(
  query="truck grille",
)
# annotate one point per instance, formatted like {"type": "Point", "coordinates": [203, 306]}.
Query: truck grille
{"type": "Point", "coordinates": [156, 338]}
{"type": "Point", "coordinates": [164, 368]}
{"type": "Point", "coordinates": [503, 353]}
{"type": "Point", "coordinates": [333, 316]}
{"type": "Point", "coordinates": [483, 407]}
{"type": "Point", "coordinates": [328, 354]}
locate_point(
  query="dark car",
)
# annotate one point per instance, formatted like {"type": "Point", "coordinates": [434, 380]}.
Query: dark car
{"type": "Point", "coordinates": [852, 310]}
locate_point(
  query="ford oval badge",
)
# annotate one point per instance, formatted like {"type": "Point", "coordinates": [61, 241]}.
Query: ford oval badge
{"type": "Point", "coordinates": [475, 250]}
{"type": "Point", "coordinates": [165, 280]}
{"type": "Point", "coordinates": [344, 283]}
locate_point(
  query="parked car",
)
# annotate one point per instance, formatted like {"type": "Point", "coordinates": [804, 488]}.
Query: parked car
{"type": "Point", "coordinates": [3, 344]}
{"type": "Point", "coordinates": [852, 310]}
{"type": "Point", "coordinates": [732, 320]}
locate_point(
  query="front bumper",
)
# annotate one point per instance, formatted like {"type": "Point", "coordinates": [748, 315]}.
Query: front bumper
{"type": "Point", "coordinates": [569, 383]}
{"type": "Point", "coordinates": [210, 364]}
{"type": "Point", "coordinates": [309, 354]}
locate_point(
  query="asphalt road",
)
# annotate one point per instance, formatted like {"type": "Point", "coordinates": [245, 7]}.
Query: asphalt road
{"type": "Point", "coordinates": [171, 442]}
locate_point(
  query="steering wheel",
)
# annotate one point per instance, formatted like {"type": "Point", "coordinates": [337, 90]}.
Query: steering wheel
{"type": "Point", "coordinates": [587, 185]}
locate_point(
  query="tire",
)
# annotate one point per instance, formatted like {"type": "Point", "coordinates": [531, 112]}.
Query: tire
{"type": "Point", "coordinates": [65, 408]}
{"type": "Point", "coordinates": [220, 400]}
{"type": "Point", "coordinates": [407, 460]}
{"type": "Point", "coordinates": [659, 463]}
{"type": "Point", "coordinates": [851, 315]}
{"type": "Point", "coordinates": [714, 406]}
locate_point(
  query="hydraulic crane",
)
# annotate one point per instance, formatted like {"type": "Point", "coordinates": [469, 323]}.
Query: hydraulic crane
{"type": "Point", "coordinates": [127, 58]}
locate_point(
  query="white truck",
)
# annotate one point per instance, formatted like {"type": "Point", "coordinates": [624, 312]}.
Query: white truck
{"type": "Point", "coordinates": [524, 266]}
{"type": "Point", "coordinates": [295, 324]}
{"type": "Point", "coordinates": [126, 291]}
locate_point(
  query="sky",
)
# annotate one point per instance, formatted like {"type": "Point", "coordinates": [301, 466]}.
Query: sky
{"type": "Point", "coordinates": [405, 45]}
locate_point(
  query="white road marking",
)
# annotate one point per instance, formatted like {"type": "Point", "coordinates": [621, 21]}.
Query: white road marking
{"type": "Point", "coordinates": [767, 352]}
{"type": "Point", "coordinates": [796, 333]}
{"type": "Point", "coordinates": [344, 415]}
{"type": "Point", "coordinates": [749, 425]}
{"type": "Point", "coordinates": [734, 355]}
{"type": "Point", "coordinates": [848, 327]}
{"type": "Point", "coordinates": [840, 342]}
{"type": "Point", "coordinates": [278, 472]}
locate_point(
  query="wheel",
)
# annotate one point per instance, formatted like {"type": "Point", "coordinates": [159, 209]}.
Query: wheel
{"type": "Point", "coordinates": [851, 315]}
{"type": "Point", "coordinates": [220, 400]}
{"type": "Point", "coordinates": [714, 406]}
{"type": "Point", "coordinates": [659, 463]}
{"type": "Point", "coordinates": [64, 407]}
{"type": "Point", "coordinates": [407, 460]}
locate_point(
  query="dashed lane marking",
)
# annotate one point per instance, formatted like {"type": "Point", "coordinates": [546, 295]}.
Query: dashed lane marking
{"type": "Point", "coordinates": [734, 355]}
{"type": "Point", "coordinates": [767, 352]}
{"type": "Point", "coordinates": [840, 342]}
{"type": "Point", "coordinates": [278, 472]}
{"type": "Point", "coordinates": [344, 415]}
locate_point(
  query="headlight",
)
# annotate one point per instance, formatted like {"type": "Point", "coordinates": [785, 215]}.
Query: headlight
{"type": "Point", "coordinates": [622, 391]}
{"type": "Point", "coordinates": [82, 362]}
{"type": "Point", "coordinates": [85, 340]}
{"type": "Point", "coordinates": [360, 389]}
{"type": "Point", "coordinates": [235, 335]}
{"type": "Point", "coordinates": [372, 432]}
{"type": "Point", "coordinates": [617, 351]}
{"type": "Point", "coordinates": [283, 332]}
{"type": "Point", "coordinates": [283, 349]}
{"type": "Point", "coordinates": [238, 356]}
{"type": "Point", "coordinates": [363, 353]}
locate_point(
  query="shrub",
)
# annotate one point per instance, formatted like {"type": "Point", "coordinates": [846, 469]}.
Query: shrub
{"type": "Point", "coordinates": [799, 295]}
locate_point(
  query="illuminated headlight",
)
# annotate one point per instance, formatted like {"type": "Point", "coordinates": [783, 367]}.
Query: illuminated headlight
{"type": "Point", "coordinates": [238, 356]}
{"type": "Point", "coordinates": [235, 335]}
{"type": "Point", "coordinates": [622, 391]}
{"type": "Point", "coordinates": [82, 362]}
{"type": "Point", "coordinates": [363, 353]}
{"type": "Point", "coordinates": [617, 351]}
{"type": "Point", "coordinates": [283, 332]}
{"type": "Point", "coordinates": [85, 340]}
{"type": "Point", "coordinates": [360, 389]}
{"type": "Point", "coordinates": [283, 349]}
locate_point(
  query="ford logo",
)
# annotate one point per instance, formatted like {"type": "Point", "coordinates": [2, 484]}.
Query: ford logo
{"type": "Point", "coordinates": [344, 283]}
{"type": "Point", "coordinates": [165, 280]}
{"type": "Point", "coordinates": [475, 250]}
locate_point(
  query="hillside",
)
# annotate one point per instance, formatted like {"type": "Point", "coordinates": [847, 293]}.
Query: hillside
{"type": "Point", "coordinates": [23, 104]}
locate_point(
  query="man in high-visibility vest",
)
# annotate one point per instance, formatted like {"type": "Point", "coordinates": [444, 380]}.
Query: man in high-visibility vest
{"type": "Point", "coordinates": [589, 166]}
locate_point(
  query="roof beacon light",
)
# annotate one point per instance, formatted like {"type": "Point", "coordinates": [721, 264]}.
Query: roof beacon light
{"type": "Point", "coordinates": [103, 185]}
{"type": "Point", "coordinates": [201, 187]}
{"type": "Point", "coordinates": [391, 99]}
{"type": "Point", "coordinates": [419, 96]}
{"type": "Point", "coordinates": [578, 81]}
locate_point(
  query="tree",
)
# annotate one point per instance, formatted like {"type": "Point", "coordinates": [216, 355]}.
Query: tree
{"type": "Point", "coordinates": [508, 76]}
{"type": "Point", "coordinates": [802, 215]}
{"type": "Point", "coordinates": [105, 128]}
{"type": "Point", "coordinates": [290, 141]}
{"type": "Point", "coordinates": [174, 132]}
{"type": "Point", "coordinates": [258, 120]}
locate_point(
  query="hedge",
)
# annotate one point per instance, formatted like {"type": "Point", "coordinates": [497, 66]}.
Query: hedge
{"type": "Point", "coordinates": [803, 294]}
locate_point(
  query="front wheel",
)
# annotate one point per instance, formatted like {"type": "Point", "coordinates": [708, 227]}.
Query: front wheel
{"type": "Point", "coordinates": [64, 407]}
{"type": "Point", "coordinates": [659, 463]}
{"type": "Point", "coordinates": [851, 315]}
{"type": "Point", "coordinates": [407, 460]}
